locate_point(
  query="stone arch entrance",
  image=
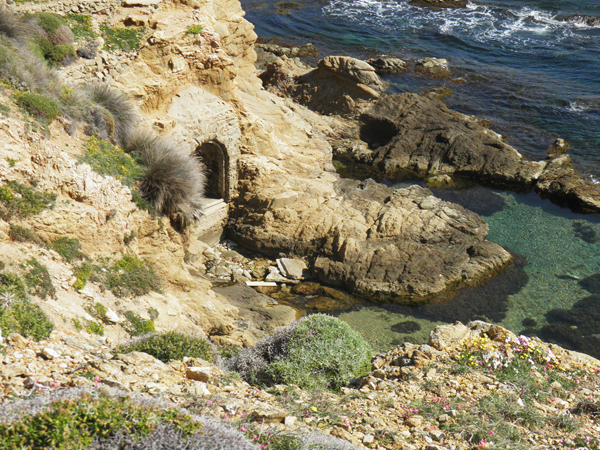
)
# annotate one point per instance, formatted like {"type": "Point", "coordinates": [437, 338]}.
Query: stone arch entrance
{"type": "Point", "coordinates": [216, 162]}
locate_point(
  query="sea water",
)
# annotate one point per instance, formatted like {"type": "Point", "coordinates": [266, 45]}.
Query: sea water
{"type": "Point", "coordinates": [533, 70]}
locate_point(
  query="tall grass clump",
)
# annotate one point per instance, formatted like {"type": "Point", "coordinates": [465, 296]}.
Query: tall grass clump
{"type": "Point", "coordinates": [122, 110]}
{"type": "Point", "coordinates": [173, 181]}
{"type": "Point", "coordinates": [12, 27]}
{"type": "Point", "coordinates": [316, 352]}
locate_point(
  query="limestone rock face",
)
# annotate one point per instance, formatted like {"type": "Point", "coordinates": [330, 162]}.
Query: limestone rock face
{"type": "Point", "coordinates": [373, 240]}
{"type": "Point", "coordinates": [419, 134]}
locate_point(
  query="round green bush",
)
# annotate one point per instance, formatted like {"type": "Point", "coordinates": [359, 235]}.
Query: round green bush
{"type": "Point", "coordinates": [39, 105]}
{"type": "Point", "coordinates": [169, 346]}
{"type": "Point", "coordinates": [318, 352]}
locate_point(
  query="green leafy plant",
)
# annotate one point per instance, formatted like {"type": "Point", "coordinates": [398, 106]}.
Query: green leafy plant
{"type": "Point", "coordinates": [137, 326]}
{"type": "Point", "coordinates": [68, 248]}
{"type": "Point", "coordinates": [18, 200]}
{"type": "Point", "coordinates": [106, 159]}
{"type": "Point", "coordinates": [128, 276]}
{"type": "Point", "coordinates": [39, 105]}
{"type": "Point", "coordinates": [194, 29]}
{"type": "Point", "coordinates": [77, 324]}
{"type": "Point", "coordinates": [38, 280]}
{"type": "Point", "coordinates": [125, 39]}
{"type": "Point", "coordinates": [170, 346]}
{"type": "Point", "coordinates": [11, 162]}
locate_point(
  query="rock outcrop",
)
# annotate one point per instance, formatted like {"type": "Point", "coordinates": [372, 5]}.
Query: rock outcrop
{"type": "Point", "coordinates": [339, 84]}
{"type": "Point", "coordinates": [372, 240]}
{"type": "Point", "coordinates": [418, 134]}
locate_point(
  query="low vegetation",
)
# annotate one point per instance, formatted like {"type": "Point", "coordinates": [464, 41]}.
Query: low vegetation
{"type": "Point", "coordinates": [37, 279]}
{"type": "Point", "coordinates": [317, 352]}
{"type": "Point", "coordinates": [68, 248]}
{"type": "Point", "coordinates": [127, 276]}
{"type": "Point", "coordinates": [124, 39]}
{"type": "Point", "coordinates": [170, 346]}
{"type": "Point", "coordinates": [17, 313]}
{"type": "Point", "coordinates": [22, 234]}
{"type": "Point", "coordinates": [19, 201]}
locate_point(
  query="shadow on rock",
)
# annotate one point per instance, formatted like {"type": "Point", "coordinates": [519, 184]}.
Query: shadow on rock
{"type": "Point", "coordinates": [591, 283]}
{"type": "Point", "coordinates": [478, 199]}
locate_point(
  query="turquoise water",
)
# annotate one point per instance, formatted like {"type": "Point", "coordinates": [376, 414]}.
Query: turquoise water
{"type": "Point", "coordinates": [553, 258]}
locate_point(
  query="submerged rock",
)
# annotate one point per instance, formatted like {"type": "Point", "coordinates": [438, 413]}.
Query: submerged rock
{"type": "Point", "coordinates": [384, 65]}
{"type": "Point", "coordinates": [433, 67]}
{"type": "Point", "coordinates": [440, 3]}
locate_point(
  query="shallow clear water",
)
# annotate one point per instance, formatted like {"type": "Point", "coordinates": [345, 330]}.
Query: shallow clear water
{"type": "Point", "coordinates": [556, 257]}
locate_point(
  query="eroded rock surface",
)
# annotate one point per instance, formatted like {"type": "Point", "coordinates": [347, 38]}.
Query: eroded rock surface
{"type": "Point", "coordinates": [339, 84]}
{"type": "Point", "coordinates": [373, 240]}
{"type": "Point", "coordinates": [420, 135]}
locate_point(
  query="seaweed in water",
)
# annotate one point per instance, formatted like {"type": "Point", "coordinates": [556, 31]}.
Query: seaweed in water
{"type": "Point", "coordinates": [478, 199]}
{"type": "Point", "coordinates": [410, 326]}
{"type": "Point", "coordinates": [576, 328]}
{"type": "Point", "coordinates": [591, 283]}
{"type": "Point", "coordinates": [585, 232]}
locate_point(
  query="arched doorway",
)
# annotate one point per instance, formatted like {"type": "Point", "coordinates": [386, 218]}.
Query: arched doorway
{"type": "Point", "coordinates": [216, 161]}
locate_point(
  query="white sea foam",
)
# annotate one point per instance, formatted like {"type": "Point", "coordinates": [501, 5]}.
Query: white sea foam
{"type": "Point", "coordinates": [577, 107]}
{"type": "Point", "coordinates": [481, 23]}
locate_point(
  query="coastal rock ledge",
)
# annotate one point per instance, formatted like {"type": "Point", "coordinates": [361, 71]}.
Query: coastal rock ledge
{"type": "Point", "coordinates": [375, 241]}
{"type": "Point", "coordinates": [412, 133]}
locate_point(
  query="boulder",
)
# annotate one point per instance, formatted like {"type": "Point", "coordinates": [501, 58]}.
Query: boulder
{"type": "Point", "coordinates": [386, 65]}
{"type": "Point", "coordinates": [339, 84]}
{"type": "Point", "coordinates": [372, 240]}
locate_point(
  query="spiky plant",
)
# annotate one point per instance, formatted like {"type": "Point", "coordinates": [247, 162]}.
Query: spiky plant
{"type": "Point", "coordinates": [119, 106]}
{"type": "Point", "coordinates": [173, 181]}
{"type": "Point", "coordinates": [7, 299]}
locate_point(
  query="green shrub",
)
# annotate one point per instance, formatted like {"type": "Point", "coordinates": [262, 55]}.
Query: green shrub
{"type": "Point", "coordinates": [38, 280]}
{"type": "Point", "coordinates": [73, 423]}
{"type": "Point", "coordinates": [82, 273]}
{"type": "Point", "coordinates": [106, 159]}
{"type": "Point", "coordinates": [77, 324]}
{"type": "Point", "coordinates": [124, 39]}
{"type": "Point", "coordinates": [317, 352]}
{"type": "Point", "coordinates": [194, 29]}
{"type": "Point", "coordinates": [169, 346]}
{"type": "Point", "coordinates": [18, 314]}
{"type": "Point", "coordinates": [98, 311]}
{"type": "Point", "coordinates": [40, 106]}
{"type": "Point", "coordinates": [18, 200]}
{"type": "Point", "coordinates": [27, 319]}
{"type": "Point", "coordinates": [137, 326]}
{"type": "Point", "coordinates": [68, 248]}
{"type": "Point", "coordinates": [50, 22]}
{"type": "Point", "coordinates": [128, 276]}
{"type": "Point", "coordinates": [81, 25]}
{"type": "Point", "coordinates": [95, 328]}
{"type": "Point", "coordinates": [21, 234]}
